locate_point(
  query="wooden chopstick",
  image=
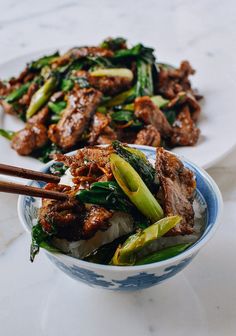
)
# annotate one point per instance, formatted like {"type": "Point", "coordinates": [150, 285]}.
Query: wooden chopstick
{"type": "Point", "coordinates": [19, 189]}
{"type": "Point", "coordinates": [27, 174]}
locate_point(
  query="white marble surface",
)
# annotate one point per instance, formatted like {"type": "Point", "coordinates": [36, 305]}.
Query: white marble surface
{"type": "Point", "coordinates": [36, 298]}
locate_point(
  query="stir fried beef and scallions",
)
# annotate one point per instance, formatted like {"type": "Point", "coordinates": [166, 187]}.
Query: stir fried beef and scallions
{"type": "Point", "coordinates": [121, 210]}
{"type": "Point", "coordinates": [95, 95]}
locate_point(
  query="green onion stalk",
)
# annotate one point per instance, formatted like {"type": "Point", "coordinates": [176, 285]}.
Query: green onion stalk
{"type": "Point", "coordinates": [126, 254]}
{"type": "Point", "coordinates": [134, 187]}
{"type": "Point", "coordinates": [41, 96]}
{"type": "Point", "coordinates": [166, 253]}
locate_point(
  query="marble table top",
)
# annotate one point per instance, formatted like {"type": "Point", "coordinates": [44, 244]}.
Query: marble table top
{"type": "Point", "coordinates": [38, 299]}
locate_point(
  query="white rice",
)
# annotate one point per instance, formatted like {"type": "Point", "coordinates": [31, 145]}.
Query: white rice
{"type": "Point", "coordinates": [120, 224]}
{"type": "Point", "coordinates": [67, 179]}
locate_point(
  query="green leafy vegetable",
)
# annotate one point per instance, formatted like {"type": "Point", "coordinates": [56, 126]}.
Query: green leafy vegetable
{"type": "Point", "coordinates": [159, 101]}
{"type": "Point", "coordinates": [57, 107]}
{"type": "Point", "coordinates": [107, 194]}
{"type": "Point", "coordinates": [134, 187]}
{"type": "Point", "coordinates": [45, 154]}
{"type": "Point", "coordinates": [67, 85]}
{"type": "Point", "coordinates": [166, 253]}
{"type": "Point", "coordinates": [18, 93]}
{"type": "Point", "coordinates": [114, 43]}
{"type": "Point", "coordinates": [102, 109]}
{"type": "Point", "coordinates": [104, 253]}
{"type": "Point", "coordinates": [58, 169]}
{"type": "Point", "coordinates": [92, 62]}
{"type": "Point", "coordinates": [129, 107]}
{"type": "Point", "coordinates": [137, 52]}
{"type": "Point", "coordinates": [82, 82]}
{"type": "Point", "coordinates": [7, 134]}
{"type": "Point", "coordinates": [124, 116]}
{"type": "Point", "coordinates": [127, 253]}
{"type": "Point", "coordinates": [43, 61]}
{"type": "Point", "coordinates": [40, 238]}
{"type": "Point", "coordinates": [123, 98]}
{"type": "Point", "coordinates": [170, 116]}
{"type": "Point", "coordinates": [139, 162]}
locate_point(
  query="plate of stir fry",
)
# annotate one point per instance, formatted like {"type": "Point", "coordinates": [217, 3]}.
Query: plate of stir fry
{"type": "Point", "coordinates": [95, 95]}
{"type": "Point", "coordinates": [122, 208]}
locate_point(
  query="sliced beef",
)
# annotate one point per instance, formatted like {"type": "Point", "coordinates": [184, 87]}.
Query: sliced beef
{"type": "Point", "coordinates": [89, 162]}
{"type": "Point", "coordinates": [172, 81]}
{"type": "Point", "coordinates": [41, 117]}
{"type": "Point", "coordinates": [25, 76]}
{"type": "Point", "coordinates": [186, 98]}
{"type": "Point", "coordinates": [148, 136]}
{"type": "Point", "coordinates": [32, 137]}
{"type": "Point", "coordinates": [80, 52]}
{"type": "Point", "coordinates": [25, 100]}
{"type": "Point", "coordinates": [65, 218]}
{"type": "Point", "coordinates": [107, 136]}
{"type": "Point", "coordinates": [81, 107]}
{"type": "Point", "coordinates": [101, 133]}
{"type": "Point", "coordinates": [108, 85]}
{"type": "Point", "coordinates": [178, 188]}
{"type": "Point", "coordinates": [185, 133]}
{"type": "Point", "coordinates": [96, 219]}
{"type": "Point", "coordinates": [194, 106]}
{"type": "Point", "coordinates": [70, 219]}
{"type": "Point", "coordinates": [150, 114]}
{"type": "Point", "coordinates": [100, 121]}
{"type": "Point", "coordinates": [8, 108]}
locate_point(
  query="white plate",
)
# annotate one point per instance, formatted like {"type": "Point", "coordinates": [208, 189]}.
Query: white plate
{"type": "Point", "coordinates": [217, 123]}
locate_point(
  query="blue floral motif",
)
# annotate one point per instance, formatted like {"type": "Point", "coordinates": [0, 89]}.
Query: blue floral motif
{"type": "Point", "coordinates": [145, 280]}
{"type": "Point", "coordinates": [139, 281]}
{"type": "Point", "coordinates": [87, 276]}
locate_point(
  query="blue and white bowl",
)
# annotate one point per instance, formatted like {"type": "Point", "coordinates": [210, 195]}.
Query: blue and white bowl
{"type": "Point", "coordinates": [129, 278]}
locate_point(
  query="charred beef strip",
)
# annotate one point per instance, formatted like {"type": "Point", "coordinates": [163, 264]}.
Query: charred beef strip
{"type": "Point", "coordinates": [185, 133]}
{"type": "Point", "coordinates": [81, 52]}
{"type": "Point", "coordinates": [33, 136]}
{"type": "Point", "coordinates": [70, 219]}
{"type": "Point", "coordinates": [150, 114]}
{"type": "Point", "coordinates": [41, 117]}
{"type": "Point", "coordinates": [101, 133]}
{"type": "Point", "coordinates": [100, 121]}
{"type": "Point", "coordinates": [25, 100]}
{"type": "Point", "coordinates": [194, 106]}
{"type": "Point", "coordinates": [96, 219]}
{"type": "Point", "coordinates": [25, 76]}
{"type": "Point", "coordinates": [107, 136]}
{"type": "Point", "coordinates": [82, 164]}
{"type": "Point", "coordinates": [148, 136]}
{"type": "Point", "coordinates": [186, 98]}
{"type": "Point", "coordinates": [64, 217]}
{"type": "Point", "coordinates": [81, 107]}
{"type": "Point", "coordinates": [178, 187]}
{"type": "Point", "coordinates": [172, 81]}
{"type": "Point", "coordinates": [109, 86]}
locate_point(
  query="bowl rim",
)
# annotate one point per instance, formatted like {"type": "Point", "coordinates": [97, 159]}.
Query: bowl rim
{"type": "Point", "coordinates": [130, 269]}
